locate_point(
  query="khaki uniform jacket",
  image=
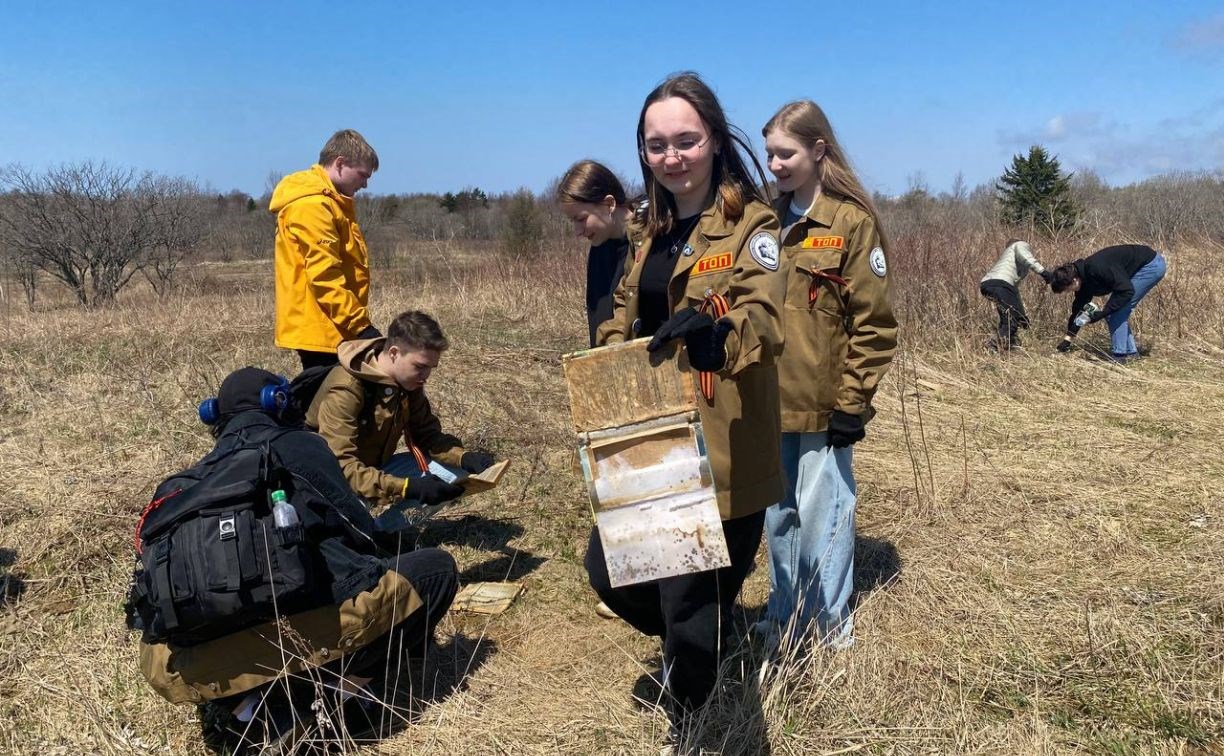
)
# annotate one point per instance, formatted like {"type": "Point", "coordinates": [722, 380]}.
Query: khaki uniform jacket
{"type": "Point", "coordinates": [362, 437]}
{"type": "Point", "coordinates": [838, 346]}
{"type": "Point", "coordinates": [322, 266]}
{"type": "Point", "coordinates": [741, 424]}
{"type": "Point", "coordinates": [249, 658]}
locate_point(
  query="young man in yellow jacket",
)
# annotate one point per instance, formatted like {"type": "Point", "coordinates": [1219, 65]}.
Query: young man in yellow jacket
{"type": "Point", "coordinates": [322, 265]}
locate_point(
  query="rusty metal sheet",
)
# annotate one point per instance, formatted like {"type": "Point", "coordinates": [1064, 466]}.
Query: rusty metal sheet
{"type": "Point", "coordinates": [624, 384]}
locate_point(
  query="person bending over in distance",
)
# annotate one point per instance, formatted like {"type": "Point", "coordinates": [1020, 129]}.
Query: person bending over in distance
{"type": "Point", "coordinates": [374, 397]}
{"type": "Point", "coordinates": [322, 265]}
{"type": "Point", "coordinates": [840, 339]}
{"type": "Point", "coordinates": [1000, 285]}
{"type": "Point", "coordinates": [1126, 272]}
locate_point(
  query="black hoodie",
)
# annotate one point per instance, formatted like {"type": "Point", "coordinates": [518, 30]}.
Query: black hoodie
{"type": "Point", "coordinates": [1108, 271]}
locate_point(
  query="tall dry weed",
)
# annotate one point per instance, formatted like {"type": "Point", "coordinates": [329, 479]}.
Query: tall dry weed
{"type": "Point", "coordinates": [1039, 550]}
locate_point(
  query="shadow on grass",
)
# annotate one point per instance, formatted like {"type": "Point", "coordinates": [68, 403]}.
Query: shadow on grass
{"type": "Point", "coordinates": [11, 583]}
{"type": "Point", "coordinates": [476, 532]}
{"type": "Point", "coordinates": [877, 563]}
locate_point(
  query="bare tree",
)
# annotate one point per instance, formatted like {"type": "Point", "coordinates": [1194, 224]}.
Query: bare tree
{"type": "Point", "coordinates": [178, 226]}
{"type": "Point", "coordinates": [93, 226]}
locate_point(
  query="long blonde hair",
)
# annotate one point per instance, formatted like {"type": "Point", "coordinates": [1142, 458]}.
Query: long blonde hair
{"type": "Point", "coordinates": [806, 122]}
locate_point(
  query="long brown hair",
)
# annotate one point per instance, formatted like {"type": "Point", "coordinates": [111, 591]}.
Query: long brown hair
{"type": "Point", "coordinates": [736, 186]}
{"type": "Point", "coordinates": [806, 122]}
{"type": "Point", "coordinates": [589, 182]}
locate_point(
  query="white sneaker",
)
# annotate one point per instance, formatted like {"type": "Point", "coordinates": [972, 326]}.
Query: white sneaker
{"type": "Point", "coordinates": [605, 611]}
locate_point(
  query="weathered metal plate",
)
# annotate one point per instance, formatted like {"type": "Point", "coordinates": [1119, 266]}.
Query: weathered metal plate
{"type": "Point", "coordinates": [676, 535]}
{"type": "Point", "coordinates": [624, 384]}
{"type": "Point", "coordinates": [654, 501]}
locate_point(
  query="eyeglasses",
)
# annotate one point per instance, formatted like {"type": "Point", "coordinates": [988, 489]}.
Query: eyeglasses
{"type": "Point", "coordinates": [687, 147]}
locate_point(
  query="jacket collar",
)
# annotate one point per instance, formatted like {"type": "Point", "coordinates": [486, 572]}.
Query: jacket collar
{"type": "Point", "coordinates": [329, 189]}
{"type": "Point", "coordinates": [713, 224]}
{"type": "Point", "coordinates": [251, 419]}
{"type": "Point", "coordinates": [823, 210]}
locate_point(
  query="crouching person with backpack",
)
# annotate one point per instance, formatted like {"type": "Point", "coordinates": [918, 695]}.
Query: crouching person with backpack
{"type": "Point", "coordinates": [260, 591]}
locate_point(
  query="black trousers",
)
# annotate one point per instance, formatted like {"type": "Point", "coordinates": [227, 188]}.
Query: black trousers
{"type": "Point", "coordinates": [690, 613]}
{"type": "Point", "coordinates": [312, 359]}
{"type": "Point", "coordinates": [1007, 301]}
{"type": "Point", "coordinates": [435, 577]}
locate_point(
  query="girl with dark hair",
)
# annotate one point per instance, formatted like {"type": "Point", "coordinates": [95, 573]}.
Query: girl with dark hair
{"type": "Point", "coordinates": [592, 197]}
{"type": "Point", "coordinates": [1001, 286]}
{"type": "Point", "coordinates": [708, 273]}
{"type": "Point", "coordinates": [840, 339]}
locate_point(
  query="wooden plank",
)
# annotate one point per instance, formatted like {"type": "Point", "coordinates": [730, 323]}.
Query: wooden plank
{"type": "Point", "coordinates": [624, 384]}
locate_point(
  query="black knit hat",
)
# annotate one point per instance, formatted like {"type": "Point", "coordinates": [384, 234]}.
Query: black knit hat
{"type": "Point", "coordinates": [240, 390]}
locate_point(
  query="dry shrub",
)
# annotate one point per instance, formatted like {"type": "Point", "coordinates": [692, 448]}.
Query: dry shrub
{"type": "Point", "coordinates": [1039, 535]}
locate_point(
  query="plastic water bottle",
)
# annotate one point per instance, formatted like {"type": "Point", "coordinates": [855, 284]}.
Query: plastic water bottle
{"type": "Point", "coordinates": [283, 512]}
{"type": "Point", "coordinates": [1086, 314]}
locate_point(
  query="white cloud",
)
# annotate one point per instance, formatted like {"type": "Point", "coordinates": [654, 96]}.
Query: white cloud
{"type": "Point", "coordinates": [1201, 37]}
{"type": "Point", "coordinates": [1121, 152]}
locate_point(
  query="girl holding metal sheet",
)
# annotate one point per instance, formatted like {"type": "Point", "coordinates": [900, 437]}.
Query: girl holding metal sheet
{"type": "Point", "coordinates": [840, 339]}
{"type": "Point", "coordinates": [708, 275]}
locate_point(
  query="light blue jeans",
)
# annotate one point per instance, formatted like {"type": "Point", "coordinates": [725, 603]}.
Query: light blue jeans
{"type": "Point", "coordinates": [811, 540]}
{"type": "Point", "coordinates": [1123, 341]}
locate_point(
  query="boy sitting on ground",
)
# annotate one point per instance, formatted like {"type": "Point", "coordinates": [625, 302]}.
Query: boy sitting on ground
{"type": "Point", "coordinates": [374, 397]}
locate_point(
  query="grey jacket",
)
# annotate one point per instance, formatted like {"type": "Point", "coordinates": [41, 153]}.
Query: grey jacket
{"type": "Point", "coordinates": [1014, 264]}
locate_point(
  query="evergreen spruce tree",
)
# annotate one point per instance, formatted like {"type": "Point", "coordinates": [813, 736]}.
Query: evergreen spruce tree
{"type": "Point", "coordinates": [1035, 192]}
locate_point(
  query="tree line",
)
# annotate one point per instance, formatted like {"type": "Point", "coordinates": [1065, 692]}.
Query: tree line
{"type": "Point", "coordinates": [94, 227]}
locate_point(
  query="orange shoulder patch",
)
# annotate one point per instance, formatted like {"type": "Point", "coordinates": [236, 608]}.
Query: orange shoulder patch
{"type": "Point", "coordinates": [824, 242]}
{"type": "Point", "coordinates": [712, 264]}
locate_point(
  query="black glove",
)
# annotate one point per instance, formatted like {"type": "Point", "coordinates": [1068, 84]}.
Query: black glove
{"type": "Point", "coordinates": [369, 332]}
{"type": "Point", "coordinates": [707, 350]}
{"type": "Point", "coordinates": [1047, 276]}
{"type": "Point", "coordinates": [431, 490]}
{"type": "Point", "coordinates": [476, 462]}
{"type": "Point", "coordinates": [845, 429]}
{"type": "Point", "coordinates": [1064, 346]}
{"type": "Point", "coordinates": [679, 326]}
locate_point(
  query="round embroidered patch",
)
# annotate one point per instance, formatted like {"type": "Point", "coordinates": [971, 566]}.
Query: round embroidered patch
{"type": "Point", "coordinates": [764, 249]}
{"type": "Point", "coordinates": [878, 264]}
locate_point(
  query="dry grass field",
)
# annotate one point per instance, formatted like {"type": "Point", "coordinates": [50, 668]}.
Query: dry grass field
{"type": "Point", "coordinates": [1041, 537]}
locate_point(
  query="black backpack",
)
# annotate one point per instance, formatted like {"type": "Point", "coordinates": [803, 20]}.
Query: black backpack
{"type": "Point", "coordinates": [211, 559]}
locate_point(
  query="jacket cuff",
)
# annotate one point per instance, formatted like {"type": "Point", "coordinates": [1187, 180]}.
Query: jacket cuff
{"type": "Point", "coordinates": [452, 456]}
{"type": "Point", "coordinates": [392, 488]}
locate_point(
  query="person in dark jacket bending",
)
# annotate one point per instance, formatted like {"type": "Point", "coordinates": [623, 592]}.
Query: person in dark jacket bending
{"type": "Point", "coordinates": [1126, 272]}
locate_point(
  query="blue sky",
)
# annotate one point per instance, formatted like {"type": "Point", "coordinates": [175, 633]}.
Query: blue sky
{"type": "Point", "coordinates": [507, 94]}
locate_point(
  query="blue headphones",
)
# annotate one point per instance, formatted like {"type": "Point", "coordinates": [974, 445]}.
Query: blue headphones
{"type": "Point", "coordinates": [273, 399]}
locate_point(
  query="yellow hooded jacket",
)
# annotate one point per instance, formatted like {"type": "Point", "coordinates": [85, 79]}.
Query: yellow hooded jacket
{"type": "Point", "coordinates": [322, 266]}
